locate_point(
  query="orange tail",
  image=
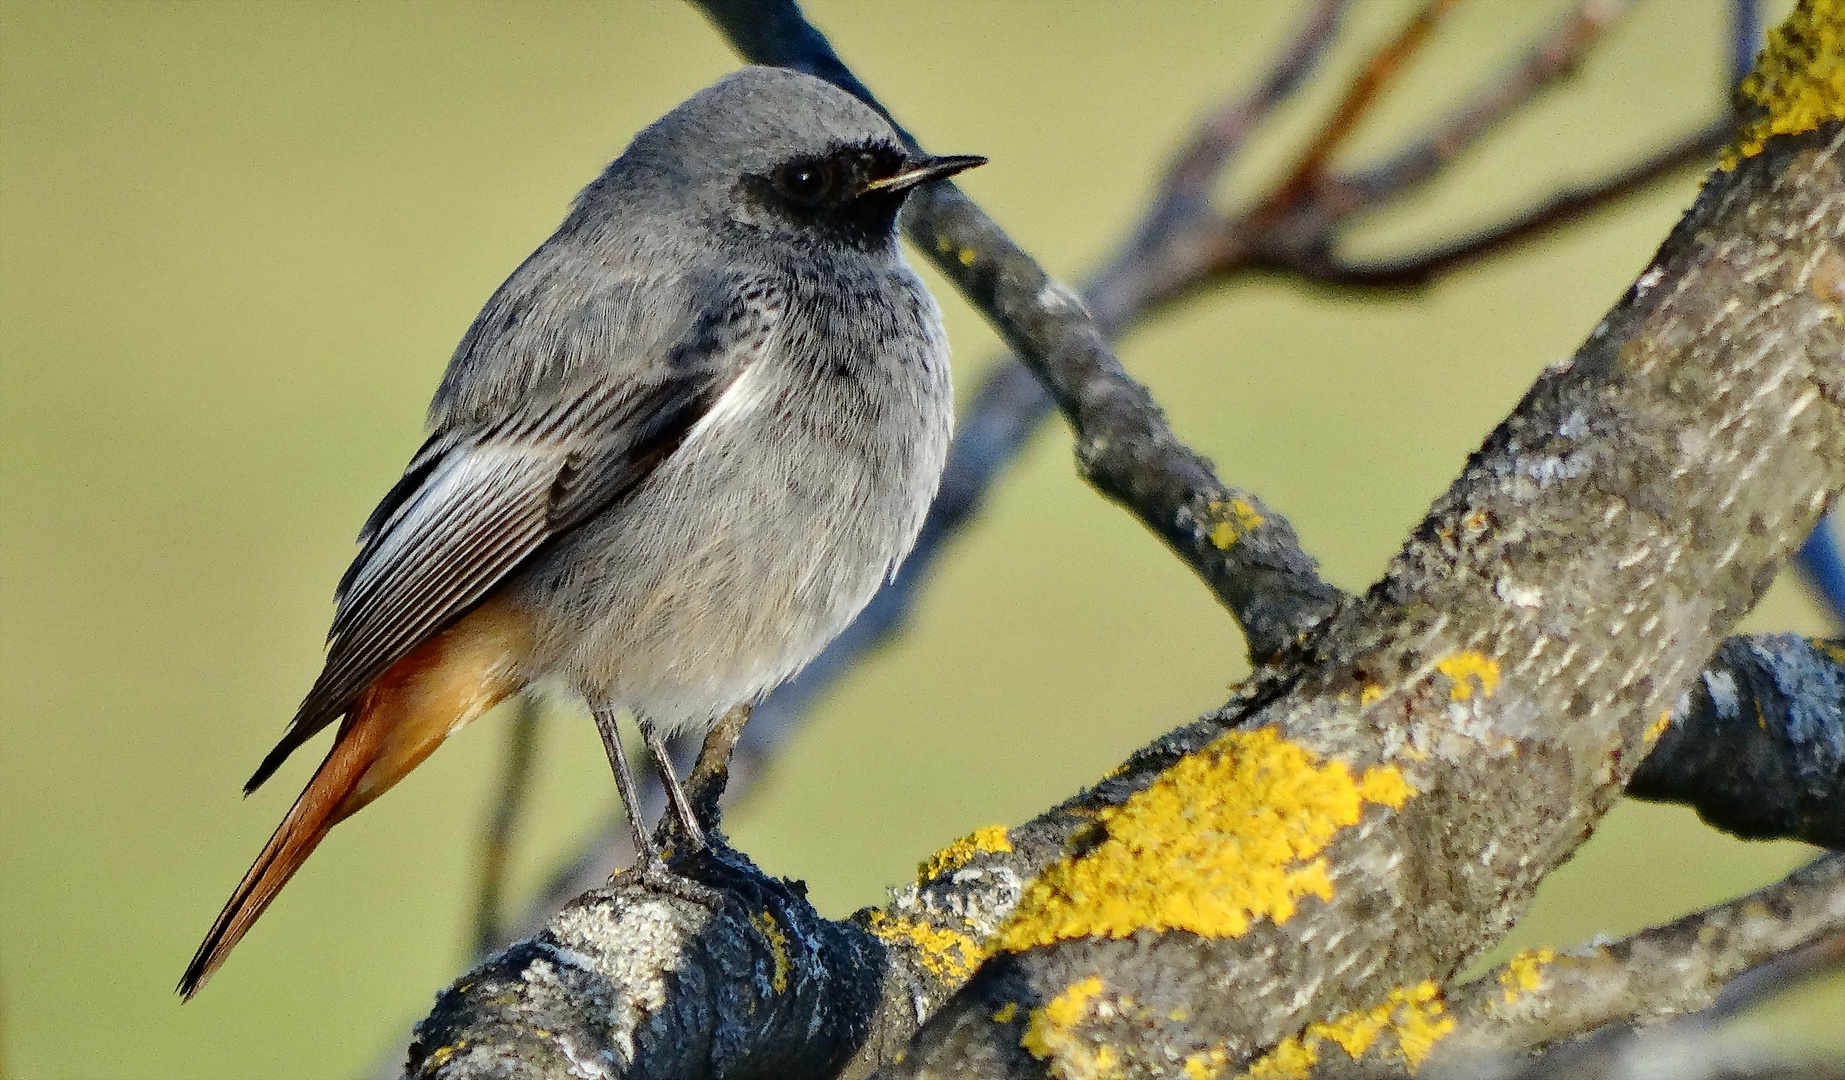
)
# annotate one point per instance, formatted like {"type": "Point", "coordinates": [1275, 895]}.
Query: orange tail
{"type": "Point", "coordinates": [399, 720]}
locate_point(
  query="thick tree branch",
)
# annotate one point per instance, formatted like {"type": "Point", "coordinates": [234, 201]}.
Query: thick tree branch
{"type": "Point", "coordinates": [1472, 718]}
{"type": "Point", "coordinates": [629, 982]}
{"type": "Point", "coordinates": [1650, 1054]}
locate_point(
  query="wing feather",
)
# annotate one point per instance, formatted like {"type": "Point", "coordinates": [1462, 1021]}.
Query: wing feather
{"type": "Point", "coordinates": [476, 503]}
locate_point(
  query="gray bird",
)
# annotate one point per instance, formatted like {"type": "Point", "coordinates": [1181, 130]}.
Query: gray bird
{"type": "Point", "coordinates": [676, 453]}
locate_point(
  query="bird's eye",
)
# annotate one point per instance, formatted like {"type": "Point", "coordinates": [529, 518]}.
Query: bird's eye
{"type": "Point", "coordinates": [804, 181]}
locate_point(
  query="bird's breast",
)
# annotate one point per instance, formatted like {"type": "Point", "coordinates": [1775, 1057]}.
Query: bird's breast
{"type": "Point", "coordinates": [769, 528]}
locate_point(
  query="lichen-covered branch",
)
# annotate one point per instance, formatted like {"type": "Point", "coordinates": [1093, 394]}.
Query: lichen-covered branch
{"type": "Point", "coordinates": [1687, 1053]}
{"type": "Point", "coordinates": [1758, 746]}
{"type": "Point", "coordinates": [1371, 811]}
{"type": "Point", "coordinates": [1378, 809]}
{"type": "Point", "coordinates": [1545, 996]}
{"type": "Point", "coordinates": [629, 982]}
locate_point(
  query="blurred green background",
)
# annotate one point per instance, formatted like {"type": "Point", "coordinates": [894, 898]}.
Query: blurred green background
{"type": "Point", "coordinates": [237, 243]}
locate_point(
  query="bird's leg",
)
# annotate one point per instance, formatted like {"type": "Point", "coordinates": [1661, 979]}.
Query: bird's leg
{"type": "Point", "coordinates": [675, 795]}
{"type": "Point", "coordinates": [644, 850]}
{"type": "Point", "coordinates": [648, 866]}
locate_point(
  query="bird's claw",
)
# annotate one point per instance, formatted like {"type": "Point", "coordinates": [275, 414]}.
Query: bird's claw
{"type": "Point", "coordinates": [656, 876]}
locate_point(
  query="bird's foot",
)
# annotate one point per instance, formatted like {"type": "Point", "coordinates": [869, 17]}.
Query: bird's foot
{"type": "Point", "coordinates": [656, 876]}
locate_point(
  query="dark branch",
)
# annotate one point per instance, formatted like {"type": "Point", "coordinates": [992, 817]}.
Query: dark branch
{"type": "Point", "coordinates": [1822, 568]}
{"type": "Point", "coordinates": [1548, 62]}
{"type": "Point", "coordinates": [1183, 194]}
{"type": "Point", "coordinates": [496, 845]}
{"type": "Point", "coordinates": [1384, 67]}
{"type": "Point", "coordinates": [629, 982]}
{"type": "Point", "coordinates": [1563, 208]}
{"type": "Point", "coordinates": [1758, 746]}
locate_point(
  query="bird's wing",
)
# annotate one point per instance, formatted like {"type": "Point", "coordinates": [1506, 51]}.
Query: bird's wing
{"type": "Point", "coordinates": [476, 503]}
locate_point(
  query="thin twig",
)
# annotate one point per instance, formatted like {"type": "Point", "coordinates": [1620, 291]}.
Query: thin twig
{"type": "Point", "coordinates": [1745, 38]}
{"type": "Point", "coordinates": [1567, 206]}
{"type": "Point", "coordinates": [1822, 567]}
{"type": "Point", "coordinates": [1183, 193]}
{"type": "Point", "coordinates": [496, 843]}
{"type": "Point", "coordinates": [1366, 90]}
{"type": "Point", "coordinates": [1549, 61]}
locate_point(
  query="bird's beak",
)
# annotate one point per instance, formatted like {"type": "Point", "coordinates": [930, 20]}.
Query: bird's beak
{"type": "Point", "coordinates": [921, 172]}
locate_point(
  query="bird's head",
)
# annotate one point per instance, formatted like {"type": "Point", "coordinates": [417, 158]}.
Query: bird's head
{"type": "Point", "coordinates": [779, 155]}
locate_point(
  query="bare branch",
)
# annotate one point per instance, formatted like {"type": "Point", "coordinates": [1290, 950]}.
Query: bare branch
{"type": "Point", "coordinates": [1549, 61]}
{"type": "Point", "coordinates": [1745, 38]}
{"type": "Point", "coordinates": [1183, 194]}
{"type": "Point", "coordinates": [1822, 567]}
{"type": "Point", "coordinates": [496, 845]}
{"type": "Point", "coordinates": [1384, 67]}
{"type": "Point", "coordinates": [1563, 208]}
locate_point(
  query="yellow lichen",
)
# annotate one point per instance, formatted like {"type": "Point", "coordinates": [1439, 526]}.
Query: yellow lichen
{"type": "Point", "coordinates": [1524, 972]}
{"type": "Point", "coordinates": [1657, 728]}
{"type": "Point", "coordinates": [947, 954]}
{"type": "Point", "coordinates": [1370, 693]}
{"type": "Point", "coordinates": [778, 949]}
{"type": "Point", "coordinates": [1459, 666]}
{"type": "Point", "coordinates": [1050, 1034]}
{"type": "Point", "coordinates": [1413, 1016]}
{"type": "Point", "coordinates": [1235, 519]}
{"type": "Point", "coordinates": [962, 851]}
{"type": "Point", "coordinates": [1226, 835]}
{"type": "Point", "coordinates": [1006, 1012]}
{"type": "Point", "coordinates": [1291, 1059]}
{"type": "Point", "coordinates": [1205, 1065]}
{"type": "Point", "coordinates": [1799, 80]}
{"type": "Point", "coordinates": [967, 256]}
{"type": "Point", "coordinates": [1421, 1024]}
